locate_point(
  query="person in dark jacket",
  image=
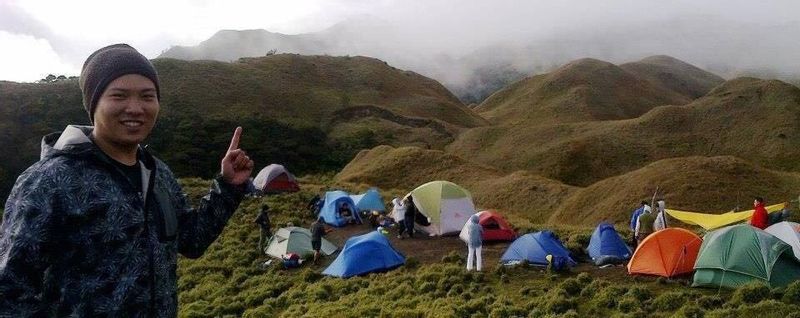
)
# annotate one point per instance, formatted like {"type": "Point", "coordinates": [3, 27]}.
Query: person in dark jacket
{"type": "Point", "coordinates": [95, 226]}
{"type": "Point", "coordinates": [266, 227]}
{"type": "Point", "coordinates": [317, 232]}
{"type": "Point", "coordinates": [411, 212]}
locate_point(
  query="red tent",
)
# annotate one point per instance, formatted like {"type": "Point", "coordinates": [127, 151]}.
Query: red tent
{"type": "Point", "coordinates": [275, 179]}
{"type": "Point", "coordinates": [495, 227]}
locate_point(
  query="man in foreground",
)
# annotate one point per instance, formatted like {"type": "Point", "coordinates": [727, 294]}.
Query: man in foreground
{"type": "Point", "coordinates": [94, 227]}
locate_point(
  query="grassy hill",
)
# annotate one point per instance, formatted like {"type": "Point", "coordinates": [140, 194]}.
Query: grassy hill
{"type": "Point", "coordinates": [583, 90]}
{"type": "Point", "coordinates": [675, 75]}
{"type": "Point", "coordinates": [311, 113]}
{"type": "Point", "coordinates": [521, 195]}
{"type": "Point", "coordinates": [705, 184]}
{"type": "Point", "coordinates": [749, 118]}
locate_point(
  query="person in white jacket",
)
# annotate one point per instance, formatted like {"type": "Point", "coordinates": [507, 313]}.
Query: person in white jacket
{"type": "Point", "coordinates": [474, 240]}
{"type": "Point", "coordinates": [399, 215]}
{"type": "Point", "coordinates": [661, 218]}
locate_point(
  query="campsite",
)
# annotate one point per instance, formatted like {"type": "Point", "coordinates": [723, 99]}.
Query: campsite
{"type": "Point", "coordinates": [433, 283]}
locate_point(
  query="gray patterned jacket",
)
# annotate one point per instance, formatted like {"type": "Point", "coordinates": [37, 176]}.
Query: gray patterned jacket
{"type": "Point", "coordinates": [77, 238]}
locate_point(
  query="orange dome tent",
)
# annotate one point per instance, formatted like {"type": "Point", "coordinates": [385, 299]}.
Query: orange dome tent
{"type": "Point", "coordinates": [669, 252]}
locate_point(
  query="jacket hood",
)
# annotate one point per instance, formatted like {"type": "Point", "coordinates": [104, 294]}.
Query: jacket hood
{"type": "Point", "coordinates": [73, 139]}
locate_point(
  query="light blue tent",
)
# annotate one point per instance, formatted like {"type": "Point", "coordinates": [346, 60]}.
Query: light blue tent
{"type": "Point", "coordinates": [330, 209]}
{"type": "Point", "coordinates": [607, 247]}
{"type": "Point", "coordinates": [369, 201]}
{"type": "Point", "coordinates": [364, 254]}
{"type": "Point", "coordinates": [534, 248]}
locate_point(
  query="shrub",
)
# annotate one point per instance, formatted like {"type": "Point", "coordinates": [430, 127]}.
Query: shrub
{"type": "Point", "coordinates": [640, 293]}
{"type": "Point", "coordinates": [689, 311]}
{"type": "Point", "coordinates": [629, 304]}
{"type": "Point", "coordinates": [608, 297]}
{"type": "Point", "coordinates": [710, 302]}
{"type": "Point", "coordinates": [792, 293]}
{"type": "Point", "coordinates": [404, 313]}
{"type": "Point", "coordinates": [750, 294]}
{"type": "Point", "coordinates": [427, 287]}
{"type": "Point", "coordinates": [584, 279]}
{"type": "Point", "coordinates": [559, 305]}
{"type": "Point", "coordinates": [669, 301]}
{"type": "Point", "coordinates": [593, 288]}
{"type": "Point", "coordinates": [504, 311]}
{"type": "Point", "coordinates": [572, 286]}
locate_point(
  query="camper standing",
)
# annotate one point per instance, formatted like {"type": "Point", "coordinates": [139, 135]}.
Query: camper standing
{"type": "Point", "coordinates": [661, 216]}
{"type": "Point", "coordinates": [409, 215]}
{"type": "Point", "coordinates": [266, 227]}
{"type": "Point", "coordinates": [635, 218]}
{"type": "Point", "coordinates": [317, 232]}
{"type": "Point", "coordinates": [94, 227]}
{"type": "Point", "coordinates": [399, 214]}
{"type": "Point", "coordinates": [474, 242]}
{"type": "Point", "coordinates": [760, 217]}
{"type": "Point", "coordinates": [644, 225]}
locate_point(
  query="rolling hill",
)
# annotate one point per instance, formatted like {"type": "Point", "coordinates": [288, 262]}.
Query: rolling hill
{"type": "Point", "coordinates": [523, 194]}
{"type": "Point", "coordinates": [746, 117]}
{"type": "Point", "coordinates": [707, 184]}
{"type": "Point", "coordinates": [583, 90]}
{"type": "Point", "coordinates": [696, 183]}
{"type": "Point", "coordinates": [675, 75]}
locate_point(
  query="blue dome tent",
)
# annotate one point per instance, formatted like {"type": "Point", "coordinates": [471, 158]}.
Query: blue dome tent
{"type": "Point", "coordinates": [364, 254]}
{"type": "Point", "coordinates": [534, 248]}
{"type": "Point", "coordinates": [330, 209]}
{"type": "Point", "coordinates": [607, 247]}
{"type": "Point", "coordinates": [369, 201]}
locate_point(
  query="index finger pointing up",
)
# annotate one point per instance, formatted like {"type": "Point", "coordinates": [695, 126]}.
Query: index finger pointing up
{"type": "Point", "coordinates": [235, 140]}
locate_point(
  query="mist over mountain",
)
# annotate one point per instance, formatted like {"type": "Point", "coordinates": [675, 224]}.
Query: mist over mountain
{"type": "Point", "coordinates": [472, 71]}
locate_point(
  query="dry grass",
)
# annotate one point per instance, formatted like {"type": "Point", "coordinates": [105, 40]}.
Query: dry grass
{"type": "Point", "coordinates": [707, 184]}
{"type": "Point", "coordinates": [749, 118]}
{"type": "Point", "coordinates": [691, 183]}
{"type": "Point", "coordinates": [526, 196]}
{"type": "Point", "coordinates": [675, 75]}
{"type": "Point", "coordinates": [583, 90]}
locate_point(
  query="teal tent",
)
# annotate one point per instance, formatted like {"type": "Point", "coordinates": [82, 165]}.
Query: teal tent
{"type": "Point", "coordinates": [736, 255]}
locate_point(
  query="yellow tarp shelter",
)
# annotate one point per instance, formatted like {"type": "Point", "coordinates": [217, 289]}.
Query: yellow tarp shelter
{"type": "Point", "coordinates": [710, 221]}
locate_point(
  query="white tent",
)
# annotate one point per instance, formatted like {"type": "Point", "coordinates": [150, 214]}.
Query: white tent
{"type": "Point", "coordinates": [447, 205]}
{"type": "Point", "coordinates": [788, 232]}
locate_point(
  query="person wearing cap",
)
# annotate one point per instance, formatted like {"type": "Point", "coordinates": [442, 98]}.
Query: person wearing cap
{"type": "Point", "coordinates": [95, 226]}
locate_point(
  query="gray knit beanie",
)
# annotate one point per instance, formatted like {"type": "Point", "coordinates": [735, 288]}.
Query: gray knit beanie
{"type": "Point", "coordinates": [107, 64]}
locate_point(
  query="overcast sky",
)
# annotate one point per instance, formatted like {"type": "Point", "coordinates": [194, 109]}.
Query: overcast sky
{"type": "Point", "coordinates": [38, 37]}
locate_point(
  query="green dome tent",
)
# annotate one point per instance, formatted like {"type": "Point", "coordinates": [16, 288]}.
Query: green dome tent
{"type": "Point", "coordinates": [448, 206]}
{"type": "Point", "coordinates": [295, 240]}
{"type": "Point", "coordinates": [739, 254]}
